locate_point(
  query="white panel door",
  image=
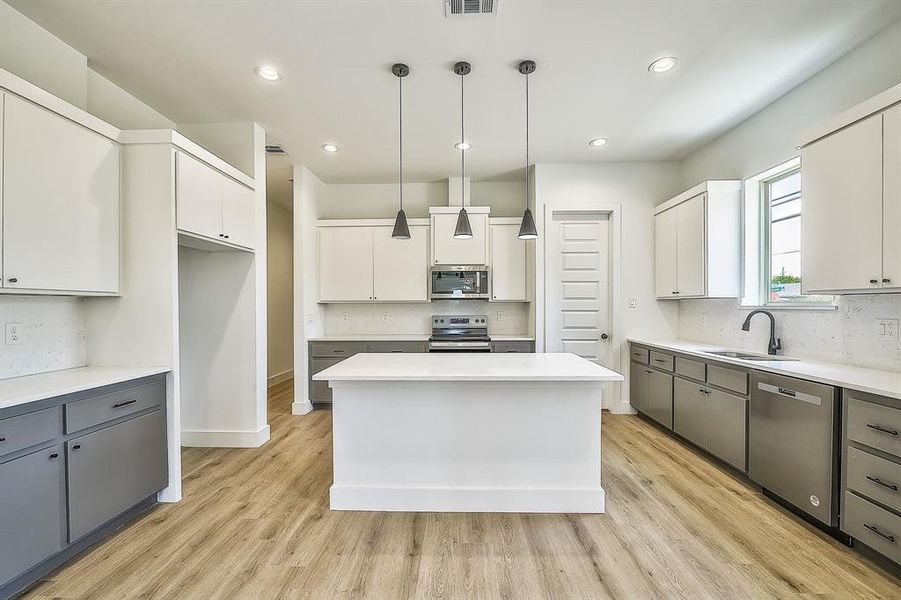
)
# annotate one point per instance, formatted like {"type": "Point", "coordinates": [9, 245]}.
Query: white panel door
{"type": "Point", "coordinates": [400, 267]}
{"type": "Point", "coordinates": [446, 250]}
{"type": "Point", "coordinates": [841, 223]}
{"type": "Point", "coordinates": [578, 285]}
{"type": "Point", "coordinates": [198, 197]}
{"type": "Point", "coordinates": [666, 266]}
{"type": "Point", "coordinates": [60, 203]}
{"type": "Point", "coordinates": [238, 214]}
{"type": "Point", "coordinates": [891, 208]}
{"type": "Point", "coordinates": [690, 251]}
{"type": "Point", "coordinates": [508, 264]}
{"type": "Point", "coordinates": [345, 264]}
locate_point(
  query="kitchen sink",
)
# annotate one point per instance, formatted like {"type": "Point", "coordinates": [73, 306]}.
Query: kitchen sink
{"type": "Point", "coordinates": [746, 355]}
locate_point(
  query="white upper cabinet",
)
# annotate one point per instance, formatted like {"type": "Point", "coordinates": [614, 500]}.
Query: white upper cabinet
{"type": "Point", "coordinates": [697, 243]}
{"type": "Point", "coordinates": [508, 263]}
{"type": "Point", "coordinates": [345, 264]}
{"type": "Point", "coordinates": [60, 198]}
{"type": "Point", "coordinates": [446, 250]}
{"type": "Point", "coordinates": [891, 201]}
{"type": "Point", "coordinates": [213, 205]}
{"type": "Point", "coordinates": [400, 267]}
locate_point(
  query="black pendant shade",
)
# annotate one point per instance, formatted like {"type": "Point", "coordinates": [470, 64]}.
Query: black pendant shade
{"type": "Point", "coordinates": [463, 230]}
{"type": "Point", "coordinates": [527, 230]}
{"type": "Point", "coordinates": [401, 230]}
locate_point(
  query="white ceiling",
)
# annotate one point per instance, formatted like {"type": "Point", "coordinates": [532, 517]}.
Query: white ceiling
{"type": "Point", "coordinates": [194, 61]}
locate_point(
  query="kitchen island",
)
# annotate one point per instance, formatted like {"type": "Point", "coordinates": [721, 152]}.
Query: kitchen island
{"type": "Point", "coordinates": [467, 432]}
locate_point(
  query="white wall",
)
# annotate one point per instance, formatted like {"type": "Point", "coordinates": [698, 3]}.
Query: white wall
{"type": "Point", "coordinates": [52, 331]}
{"type": "Point", "coordinates": [767, 139]}
{"type": "Point", "coordinates": [232, 142]}
{"type": "Point", "coordinates": [117, 107]}
{"type": "Point", "coordinates": [280, 292]}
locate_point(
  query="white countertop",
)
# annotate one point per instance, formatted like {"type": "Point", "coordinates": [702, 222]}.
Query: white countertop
{"type": "Point", "coordinates": [882, 383]}
{"type": "Point", "coordinates": [406, 337]}
{"type": "Point", "coordinates": [21, 390]}
{"type": "Point", "coordinates": [466, 366]}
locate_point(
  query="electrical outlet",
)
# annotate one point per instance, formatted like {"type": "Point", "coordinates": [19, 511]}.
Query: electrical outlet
{"type": "Point", "coordinates": [632, 303]}
{"type": "Point", "coordinates": [13, 334]}
{"type": "Point", "coordinates": [345, 316]}
{"type": "Point", "coordinates": [500, 316]}
{"type": "Point", "coordinates": [385, 316]}
{"type": "Point", "coordinates": [887, 328]}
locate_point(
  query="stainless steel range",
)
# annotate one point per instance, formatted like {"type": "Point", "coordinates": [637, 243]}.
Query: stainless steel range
{"type": "Point", "coordinates": [459, 333]}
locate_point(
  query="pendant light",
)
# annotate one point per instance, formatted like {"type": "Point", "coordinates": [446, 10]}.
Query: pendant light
{"type": "Point", "coordinates": [463, 231]}
{"type": "Point", "coordinates": [527, 230]}
{"type": "Point", "coordinates": [401, 230]}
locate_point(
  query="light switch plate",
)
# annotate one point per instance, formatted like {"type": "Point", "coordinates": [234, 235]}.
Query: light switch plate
{"type": "Point", "coordinates": [632, 303]}
{"type": "Point", "coordinates": [887, 328]}
{"type": "Point", "coordinates": [13, 334]}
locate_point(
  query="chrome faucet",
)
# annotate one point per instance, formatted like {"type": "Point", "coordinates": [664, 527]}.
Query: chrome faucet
{"type": "Point", "coordinates": [775, 343]}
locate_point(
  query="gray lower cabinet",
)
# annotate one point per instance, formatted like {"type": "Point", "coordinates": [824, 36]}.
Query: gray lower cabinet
{"type": "Point", "coordinates": [113, 469]}
{"type": "Point", "coordinates": [660, 398]}
{"type": "Point", "coordinates": [651, 389]}
{"type": "Point", "coordinates": [32, 525]}
{"type": "Point", "coordinates": [690, 410]}
{"type": "Point", "coordinates": [512, 346]}
{"type": "Point", "coordinates": [319, 390]}
{"type": "Point", "coordinates": [727, 417]}
{"type": "Point", "coordinates": [638, 386]}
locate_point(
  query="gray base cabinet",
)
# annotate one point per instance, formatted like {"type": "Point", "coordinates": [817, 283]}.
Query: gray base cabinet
{"type": "Point", "coordinates": [690, 411]}
{"type": "Point", "coordinates": [711, 419]}
{"type": "Point", "coordinates": [651, 384]}
{"type": "Point", "coordinates": [660, 398]}
{"type": "Point", "coordinates": [638, 386]}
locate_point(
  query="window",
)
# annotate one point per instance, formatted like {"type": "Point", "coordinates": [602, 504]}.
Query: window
{"type": "Point", "coordinates": [773, 206]}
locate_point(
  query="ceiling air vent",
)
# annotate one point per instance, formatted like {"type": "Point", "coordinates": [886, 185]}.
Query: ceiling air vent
{"type": "Point", "coordinates": [470, 7]}
{"type": "Point", "coordinates": [274, 149]}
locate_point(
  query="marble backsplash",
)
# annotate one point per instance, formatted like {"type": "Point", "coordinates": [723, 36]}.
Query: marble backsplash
{"type": "Point", "coordinates": [52, 330]}
{"type": "Point", "coordinates": [847, 335]}
{"type": "Point", "coordinates": [416, 318]}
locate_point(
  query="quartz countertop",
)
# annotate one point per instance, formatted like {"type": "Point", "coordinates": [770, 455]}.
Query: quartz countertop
{"type": "Point", "coordinates": [31, 388]}
{"type": "Point", "coordinates": [465, 366]}
{"type": "Point", "coordinates": [882, 383]}
{"type": "Point", "coordinates": [407, 337]}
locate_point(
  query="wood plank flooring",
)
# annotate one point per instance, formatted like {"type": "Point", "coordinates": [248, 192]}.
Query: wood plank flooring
{"type": "Point", "coordinates": [255, 524]}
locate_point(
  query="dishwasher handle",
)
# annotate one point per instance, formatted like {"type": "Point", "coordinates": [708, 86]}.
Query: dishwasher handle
{"type": "Point", "coordinates": [787, 393]}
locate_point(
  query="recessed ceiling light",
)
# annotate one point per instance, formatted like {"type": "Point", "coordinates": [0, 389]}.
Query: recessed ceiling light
{"type": "Point", "coordinates": [463, 146]}
{"type": "Point", "coordinates": [662, 65]}
{"type": "Point", "coordinates": [598, 142]}
{"type": "Point", "coordinates": [329, 148]}
{"type": "Point", "coordinates": [268, 73]}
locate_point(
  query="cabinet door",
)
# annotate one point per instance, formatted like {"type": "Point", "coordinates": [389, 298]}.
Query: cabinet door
{"type": "Point", "coordinates": [666, 272]}
{"type": "Point", "coordinates": [449, 251]}
{"type": "Point", "coordinates": [345, 264]}
{"type": "Point", "coordinates": [726, 427]}
{"type": "Point", "coordinates": [400, 267]}
{"type": "Point", "coordinates": [508, 264]}
{"type": "Point", "coordinates": [198, 197]}
{"type": "Point", "coordinates": [113, 469]}
{"type": "Point", "coordinates": [60, 203]}
{"type": "Point", "coordinates": [690, 411]}
{"type": "Point", "coordinates": [238, 214]}
{"type": "Point", "coordinates": [320, 390]}
{"type": "Point", "coordinates": [31, 511]}
{"type": "Point", "coordinates": [690, 250]}
{"type": "Point", "coordinates": [638, 387]}
{"type": "Point", "coordinates": [841, 228]}
{"type": "Point", "coordinates": [891, 208]}
{"type": "Point", "coordinates": [660, 398]}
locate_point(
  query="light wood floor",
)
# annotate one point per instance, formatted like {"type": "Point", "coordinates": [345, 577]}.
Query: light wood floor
{"type": "Point", "coordinates": [255, 524]}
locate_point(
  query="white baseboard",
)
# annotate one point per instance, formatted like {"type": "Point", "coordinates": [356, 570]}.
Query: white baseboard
{"type": "Point", "coordinates": [301, 408]}
{"type": "Point", "coordinates": [512, 500]}
{"type": "Point", "coordinates": [225, 439]}
{"type": "Point", "coordinates": [623, 408]}
{"type": "Point", "coordinates": [280, 377]}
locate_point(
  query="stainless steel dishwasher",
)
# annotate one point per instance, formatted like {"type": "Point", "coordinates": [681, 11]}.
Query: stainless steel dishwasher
{"type": "Point", "coordinates": [793, 442]}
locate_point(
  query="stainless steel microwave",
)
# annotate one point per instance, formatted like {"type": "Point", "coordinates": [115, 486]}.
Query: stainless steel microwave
{"type": "Point", "coordinates": [463, 282]}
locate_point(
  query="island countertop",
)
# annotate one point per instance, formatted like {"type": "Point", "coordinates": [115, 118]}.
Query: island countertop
{"type": "Point", "coordinates": [465, 366]}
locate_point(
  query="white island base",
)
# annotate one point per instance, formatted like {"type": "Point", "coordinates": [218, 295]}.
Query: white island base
{"type": "Point", "coordinates": [467, 433]}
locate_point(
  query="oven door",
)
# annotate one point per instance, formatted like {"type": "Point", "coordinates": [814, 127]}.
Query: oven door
{"type": "Point", "coordinates": [459, 282]}
{"type": "Point", "coordinates": [463, 346]}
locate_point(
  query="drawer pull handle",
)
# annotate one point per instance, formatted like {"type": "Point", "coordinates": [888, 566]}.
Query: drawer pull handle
{"type": "Point", "coordinates": [875, 530]}
{"type": "Point", "coordinates": [660, 360]}
{"type": "Point", "coordinates": [54, 456]}
{"type": "Point", "coordinates": [76, 447]}
{"type": "Point", "coordinates": [2, 439]}
{"type": "Point", "coordinates": [881, 429]}
{"type": "Point", "coordinates": [394, 351]}
{"type": "Point", "coordinates": [649, 372]}
{"type": "Point", "coordinates": [126, 403]}
{"type": "Point", "coordinates": [878, 481]}
{"type": "Point", "coordinates": [338, 351]}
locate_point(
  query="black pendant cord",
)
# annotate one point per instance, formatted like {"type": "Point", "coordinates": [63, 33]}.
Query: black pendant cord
{"type": "Point", "coordinates": [527, 140]}
{"type": "Point", "coordinates": [462, 149]}
{"type": "Point", "coordinates": [400, 87]}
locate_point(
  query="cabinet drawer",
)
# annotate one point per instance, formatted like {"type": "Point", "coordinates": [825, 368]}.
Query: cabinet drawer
{"type": "Point", "coordinates": [874, 526]}
{"type": "Point", "coordinates": [397, 347]}
{"type": "Point", "coordinates": [511, 346]}
{"type": "Point", "coordinates": [874, 425]}
{"type": "Point", "coordinates": [113, 469]}
{"type": "Point", "coordinates": [874, 477]}
{"type": "Point", "coordinates": [737, 381]}
{"type": "Point", "coordinates": [659, 360]}
{"type": "Point", "coordinates": [639, 354]}
{"type": "Point", "coordinates": [691, 368]}
{"type": "Point", "coordinates": [29, 429]}
{"type": "Point", "coordinates": [100, 409]}
{"type": "Point", "coordinates": [331, 349]}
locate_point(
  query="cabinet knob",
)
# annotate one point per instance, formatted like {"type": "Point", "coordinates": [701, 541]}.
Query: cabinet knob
{"type": "Point", "coordinates": [53, 456]}
{"type": "Point", "coordinates": [874, 281]}
{"type": "Point", "coordinates": [13, 279]}
{"type": "Point", "coordinates": [221, 235]}
{"type": "Point", "coordinates": [675, 292]}
{"type": "Point", "coordinates": [76, 447]}
{"type": "Point", "coordinates": [226, 237]}
{"type": "Point", "coordinates": [2, 439]}
{"type": "Point", "coordinates": [886, 280]}
{"type": "Point", "coordinates": [604, 336]}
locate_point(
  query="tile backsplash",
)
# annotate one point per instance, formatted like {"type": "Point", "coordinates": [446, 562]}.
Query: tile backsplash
{"type": "Point", "coordinates": [416, 318]}
{"type": "Point", "coordinates": [52, 333]}
{"type": "Point", "coordinates": [848, 335]}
